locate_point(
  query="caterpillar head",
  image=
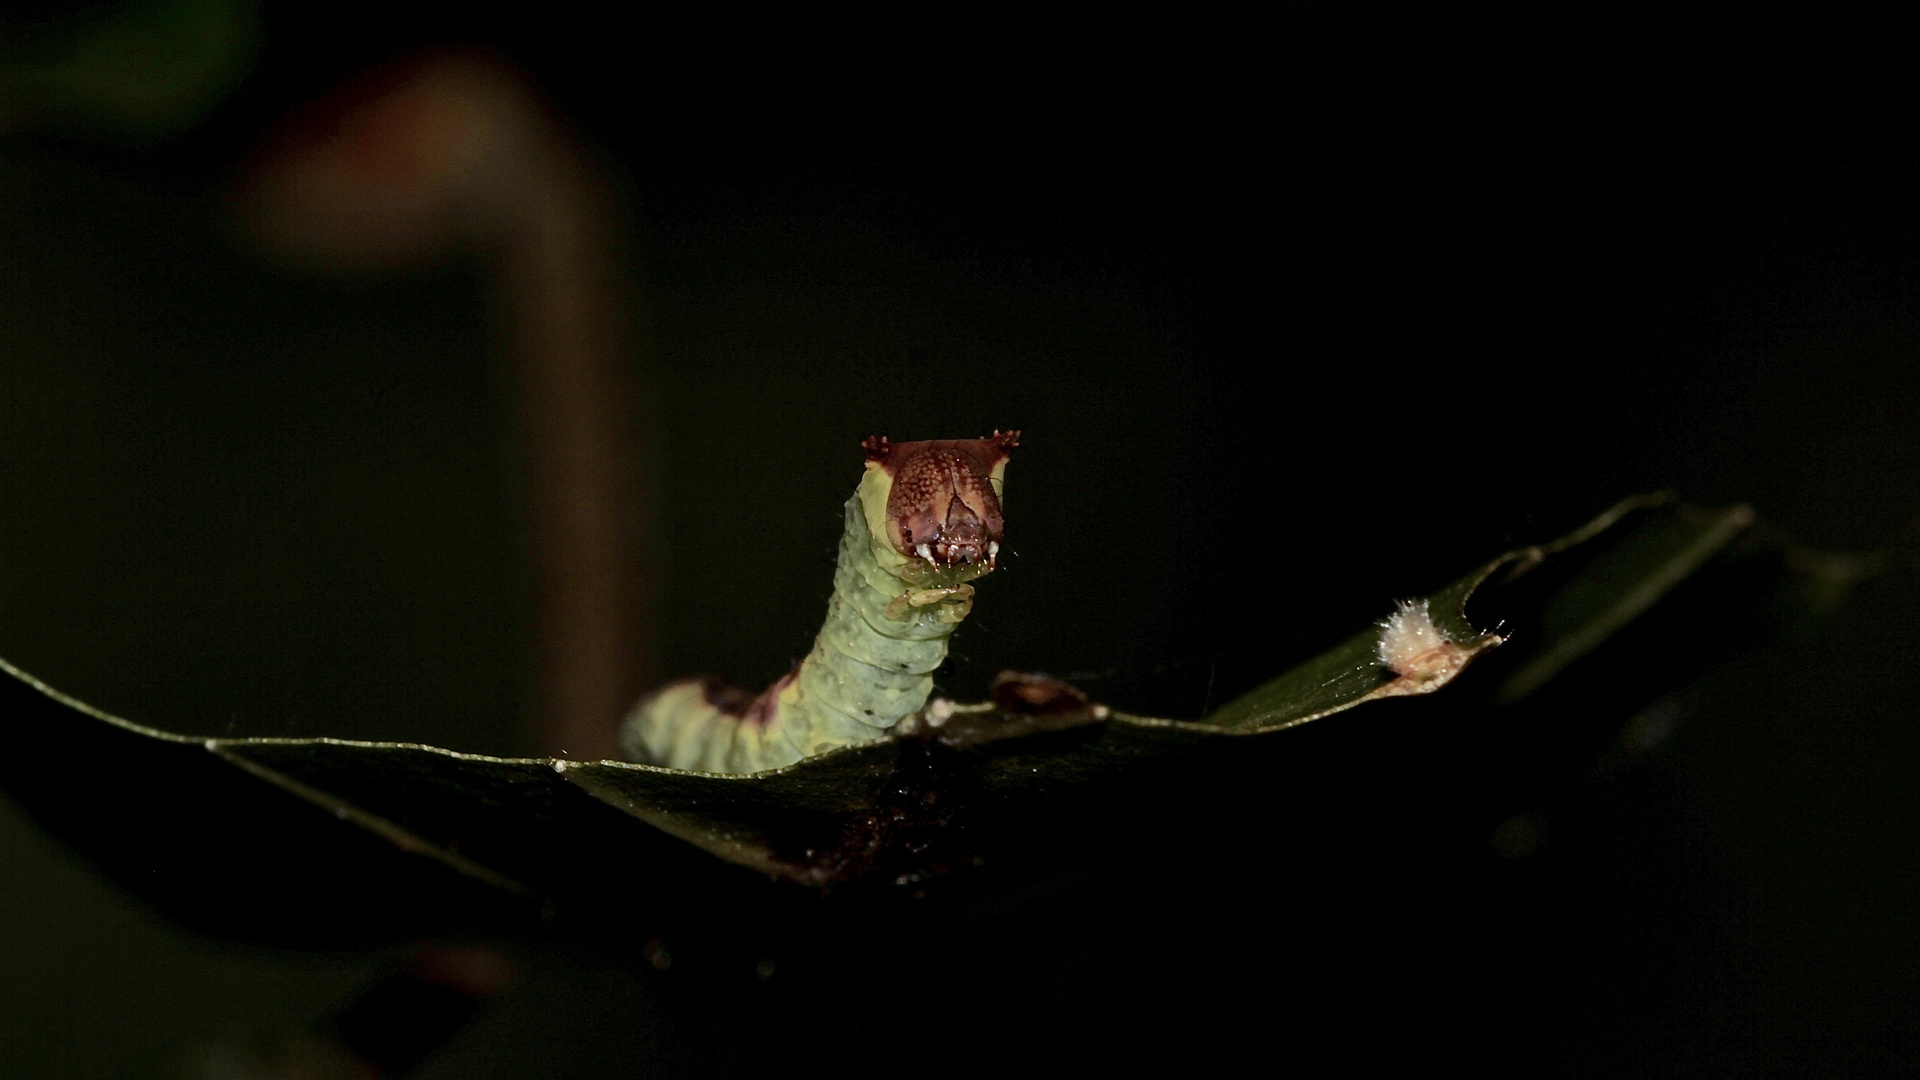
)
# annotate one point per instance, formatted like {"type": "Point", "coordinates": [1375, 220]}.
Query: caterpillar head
{"type": "Point", "coordinates": [943, 506]}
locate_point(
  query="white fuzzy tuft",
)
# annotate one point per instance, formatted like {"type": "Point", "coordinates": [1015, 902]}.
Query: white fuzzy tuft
{"type": "Point", "coordinates": [1408, 638]}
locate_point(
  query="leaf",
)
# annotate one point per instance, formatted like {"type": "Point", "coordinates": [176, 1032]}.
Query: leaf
{"type": "Point", "coordinates": [621, 839]}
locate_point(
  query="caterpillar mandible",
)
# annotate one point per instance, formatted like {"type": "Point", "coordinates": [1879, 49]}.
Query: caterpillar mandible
{"type": "Point", "coordinates": [924, 522]}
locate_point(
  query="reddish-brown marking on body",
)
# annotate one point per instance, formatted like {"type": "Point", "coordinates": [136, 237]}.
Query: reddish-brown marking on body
{"type": "Point", "coordinates": [755, 709]}
{"type": "Point", "coordinates": [943, 507]}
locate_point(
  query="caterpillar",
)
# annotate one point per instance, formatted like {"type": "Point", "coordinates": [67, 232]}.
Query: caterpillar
{"type": "Point", "coordinates": [923, 524]}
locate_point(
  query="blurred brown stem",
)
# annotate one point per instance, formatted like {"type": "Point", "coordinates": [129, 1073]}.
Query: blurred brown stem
{"type": "Point", "coordinates": [455, 152]}
{"type": "Point", "coordinates": [588, 494]}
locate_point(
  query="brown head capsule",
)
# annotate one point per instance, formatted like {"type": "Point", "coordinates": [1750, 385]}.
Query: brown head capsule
{"type": "Point", "coordinates": [945, 503]}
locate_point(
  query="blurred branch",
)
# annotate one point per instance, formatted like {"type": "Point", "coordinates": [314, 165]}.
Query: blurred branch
{"type": "Point", "coordinates": [454, 153]}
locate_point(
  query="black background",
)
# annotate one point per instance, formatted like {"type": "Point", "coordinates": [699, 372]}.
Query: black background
{"type": "Point", "coordinates": [1296, 318]}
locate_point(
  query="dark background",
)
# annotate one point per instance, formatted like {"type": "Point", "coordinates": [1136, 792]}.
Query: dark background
{"type": "Point", "coordinates": [1292, 329]}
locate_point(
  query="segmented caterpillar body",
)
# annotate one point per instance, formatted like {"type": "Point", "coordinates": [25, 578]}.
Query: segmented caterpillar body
{"type": "Point", "coordinates": [924, 522]}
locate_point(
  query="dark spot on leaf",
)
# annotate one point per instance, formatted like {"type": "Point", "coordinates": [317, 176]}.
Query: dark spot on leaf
{"type": "Point", "coordinates": [1033, 694]}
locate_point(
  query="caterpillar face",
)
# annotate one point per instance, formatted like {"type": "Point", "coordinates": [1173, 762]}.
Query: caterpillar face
{"type": "Point", "coordinates": [944, 506]}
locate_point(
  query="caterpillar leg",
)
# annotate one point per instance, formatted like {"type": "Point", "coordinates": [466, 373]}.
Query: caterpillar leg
{"type": "Point", "coordinates": [958, 598]}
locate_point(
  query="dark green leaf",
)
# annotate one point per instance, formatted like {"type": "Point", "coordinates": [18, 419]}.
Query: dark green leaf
{"type": "Point", "coordinates": [539, 829]}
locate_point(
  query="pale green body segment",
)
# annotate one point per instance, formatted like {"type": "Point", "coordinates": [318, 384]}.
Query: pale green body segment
{"type": "Point", "coordinates": [871, 665]}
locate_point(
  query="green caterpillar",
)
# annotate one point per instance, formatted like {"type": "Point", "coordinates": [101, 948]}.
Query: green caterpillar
{"type": "Point", "coordinates": [924, 522]}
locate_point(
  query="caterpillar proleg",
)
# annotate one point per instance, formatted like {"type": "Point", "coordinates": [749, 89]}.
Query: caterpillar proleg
{"type": "Point", "coordinates": [923, 524]}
